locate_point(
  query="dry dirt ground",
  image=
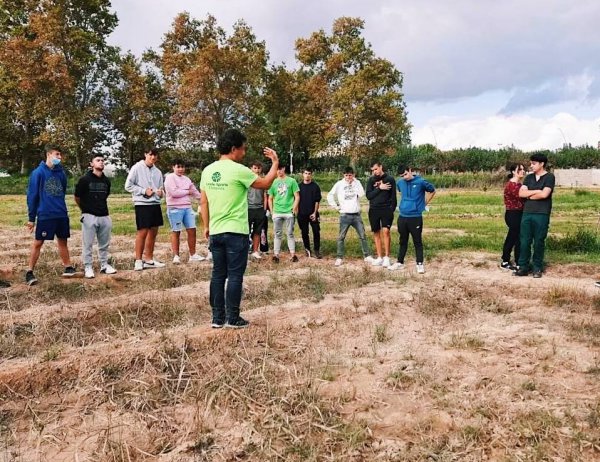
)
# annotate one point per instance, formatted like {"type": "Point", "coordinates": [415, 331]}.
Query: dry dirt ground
{"type": "Point", "coordinates": [464, 363]}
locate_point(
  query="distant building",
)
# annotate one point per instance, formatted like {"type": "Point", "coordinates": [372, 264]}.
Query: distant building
{"type": "Point", "coordinates": [577, 177]}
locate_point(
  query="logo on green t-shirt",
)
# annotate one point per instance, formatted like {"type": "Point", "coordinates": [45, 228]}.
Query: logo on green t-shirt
{"type": "Point", "coordinates": [216, 177]}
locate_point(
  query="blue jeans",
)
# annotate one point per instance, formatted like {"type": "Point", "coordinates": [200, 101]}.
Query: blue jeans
{"type": "Point", "coordinates": [230, 257]}
{"type": "Point", "coordinates": [354, 220]}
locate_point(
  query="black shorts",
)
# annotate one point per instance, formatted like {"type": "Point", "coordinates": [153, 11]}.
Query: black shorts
{"type": "Point", "coordinates": [256, 217]}
{"type": "Point", "coordinates": [380, 218]}
{"type": "Point", "coordinates": [148, 216]}
{"type": "Point", "coordinates": [45, 230]}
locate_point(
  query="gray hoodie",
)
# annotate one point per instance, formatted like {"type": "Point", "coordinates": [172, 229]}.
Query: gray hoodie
{"type": "Point", "coordinates": [139, 179]}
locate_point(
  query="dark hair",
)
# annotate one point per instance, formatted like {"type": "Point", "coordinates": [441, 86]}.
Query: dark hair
{"type": "Point", "coordinates": [348, 170]}
{"type": "Point", "coordinates": [96, 154]}
{"type": "Point", "coordinates": [539, 158]}
{"type": "Point", "coordinates": [379, 164]}
{"type": "Point", "coordinates": [402, 168]}
{"type": "Point", "coordinates": [308, 169]}
{"type": "Point", "coordinates": [231, 138]}
{"type": "Point", "coordinates": [52, 147]}
{"type": "Point", "coordinates": [151, 150]}
{"type": "Point", "coordinates": [178, 161]}
{"type": "Point", "coordinates": [284, 167]}
{"type": "Point", "coordinates": [511, 168]}
{"type": "Point", "coordinates": [257, 163]}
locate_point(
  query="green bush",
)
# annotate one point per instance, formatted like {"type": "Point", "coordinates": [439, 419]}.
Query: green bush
{"type": "Point", "coordinates": [582, 241]}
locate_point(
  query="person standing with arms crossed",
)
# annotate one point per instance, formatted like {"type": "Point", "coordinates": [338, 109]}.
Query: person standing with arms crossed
{"type": "Point", "coordinates": [145, 183]}
{"type": "Point", "coordinates": [91, 194]}
{"type": "Point", "coordinates": [381, 193]}
{"type": "Point", "coordinates": [224, 208]}
{"type": "Point", "coordinates": [416, 195]}
{"type": "Point", "coordinates": [308, 212]}
{"type": "Point", "coordinates": [537, 191]}
{"type": "Point", "coordinates": [46, 192]}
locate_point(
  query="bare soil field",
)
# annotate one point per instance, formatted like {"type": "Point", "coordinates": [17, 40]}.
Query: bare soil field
{"type": "Point", "coordinates": [463, 363]}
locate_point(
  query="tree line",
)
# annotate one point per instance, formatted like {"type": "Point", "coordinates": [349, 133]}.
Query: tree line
{"type": "Point", "coordinates": [61, 81]}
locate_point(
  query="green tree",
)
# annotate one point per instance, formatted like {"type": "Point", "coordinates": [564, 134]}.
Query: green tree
{"type": "Point", "coordinates": [367, 112]}
{"type": "Point", "coordinates": [215, 80]}
{"type": "Point", "coordinates": [138, 109]}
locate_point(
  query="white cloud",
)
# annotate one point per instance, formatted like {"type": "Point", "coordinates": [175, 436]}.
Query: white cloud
{"type": "Point", "coordinates": [523, 131]}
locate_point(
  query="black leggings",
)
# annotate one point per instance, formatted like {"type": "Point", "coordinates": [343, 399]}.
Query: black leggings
{"type": "Point", "coordinates": [512, 219]}
{"type": "Point", "coordinates": [414, 227]}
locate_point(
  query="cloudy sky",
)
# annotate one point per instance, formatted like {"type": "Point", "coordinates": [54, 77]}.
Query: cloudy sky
{"type": "Point", "coordinates": [476, 72]}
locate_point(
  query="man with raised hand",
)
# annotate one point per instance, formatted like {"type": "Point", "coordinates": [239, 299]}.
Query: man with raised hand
{"type": "Point", "coordinates": [382, 203]}
{"type": "Point", "coordinates": [284, 196]}
{"type": "Point", "coordinates": [145, 183]}
{"type": "Point", "coordinates": [224, 208]}
{"type": "Point", "coordinates": [416, 194]}
{"type": "Point", "coordinates": [91, 194]}
{"type": "Point", "coordinates": [179, 191]}
{"type": "Point", "coordinates": [308, 212]}
{"type": "Point", "coordinates": [46, 203]}
{"type": "Point", "coordinates": [345, 198]}
{"type": "Point", "coordinates": [537, 191]}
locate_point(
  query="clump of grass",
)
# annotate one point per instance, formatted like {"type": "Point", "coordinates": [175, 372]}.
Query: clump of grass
{"type": "Point", "coordinates": [381, 334]}
{"type": "Point", "coordinates": [571, 298]}
{"type": "Point", "coordinates": [582, 192]}
{"type": "Point", "coordinates": [529, 385]}
{"type": "Point", "coordinates": [465, 341]}
{"type": "Point", "coordinates": [581, 241]}
{"type": "Point", "coordinates": [587, 331]}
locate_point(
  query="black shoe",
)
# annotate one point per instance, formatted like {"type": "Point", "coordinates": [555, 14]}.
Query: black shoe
{"type": "Point", "coordinates": [318, 255]}
{"type": "Point", "coordinates": [537, 274]}
{"type": "Point", "coordinates": [217, 324]}
{"type": "Point", "coordinates": [521, 272]}
{"type": "Point", "coordinates": [30, 279]}
{"type": "Point", "coordinates": [508, 266]}
{"type": "Point", "coordinates": [597, 283]}
{"type": "Point", "coordinates": [239, 323]}
{"type": "Point", "coordinates": [307, 252]}
{"type": "Point", "coordinates": [275, 259]}
{"type": "Point", "coordinates": [4, 284]}
{"type": "Point", "coordinates": [69, 272]}
{"type": "Point", "coordinates": [295, 259]}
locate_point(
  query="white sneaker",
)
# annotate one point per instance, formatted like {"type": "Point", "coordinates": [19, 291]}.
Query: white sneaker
{"type": "Point", "coordinates": [197, 257]}
{"type": "Point", "coordinates": [153, 264]}
{"type": "Point", "coordinates": [420, 268]}
{"type": "Point", "coordinates": [177, 260]}
{"type": "Point", "coordinates": [369, 259]}
{"type": "Point", "coordinates": [89, 272]}
{"type": "Point", "coordinates": [256, 255]}
{"type": "Point", "coordinates": [338, 262]}
{"type": "Point", "coordinates": [376, 261]}
{"type": "Point", "coordinates": [107, 269]}
{"type": "Point", "coordinates": [138, 266]}
{"type": "Point", "coordinates": [396, 266]}
{"type": "Point", "coordinates": [386, 262]}
{"type": "Point", "coordinates": [209, 256]}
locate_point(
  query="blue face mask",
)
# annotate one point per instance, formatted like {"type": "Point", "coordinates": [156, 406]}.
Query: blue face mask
{"type": "Point", "coordinates": [55, 161]}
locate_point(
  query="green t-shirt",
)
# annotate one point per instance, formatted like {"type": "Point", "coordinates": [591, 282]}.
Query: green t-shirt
{"type": "Point", "coordinates": [226, 184]}
{"type": "Point", "coordinates": [282, 192]}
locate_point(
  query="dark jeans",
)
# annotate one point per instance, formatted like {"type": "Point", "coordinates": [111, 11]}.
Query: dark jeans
{"type": "Point", "coordinates": [534, 228]}
{"type": "Point", "coordinates": [512, 218]}
{"type": "Point", "coordinates": [303, 222]}
{"type": "Point", "coordinates": [412, 226]}
{"type": "Point", "coordinates": [230, 256]}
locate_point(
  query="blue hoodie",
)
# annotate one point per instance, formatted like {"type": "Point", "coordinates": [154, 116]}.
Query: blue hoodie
{"type": "Point", "coordinates": [412, 203]}
{"type": "Point", "coordinates": [46, 193]}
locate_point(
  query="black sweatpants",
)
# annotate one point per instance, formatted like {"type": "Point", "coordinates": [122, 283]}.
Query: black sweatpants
{"type": "Point", "coordinates": [512, 218]}
{"type": "Point", "coordinates": [412, 226]}
{"type": "Point", "coordinates": [303, 222]}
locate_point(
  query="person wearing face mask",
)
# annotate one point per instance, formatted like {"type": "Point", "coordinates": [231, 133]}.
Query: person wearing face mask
{"type": "Point", "coordinates": [46, 205]}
